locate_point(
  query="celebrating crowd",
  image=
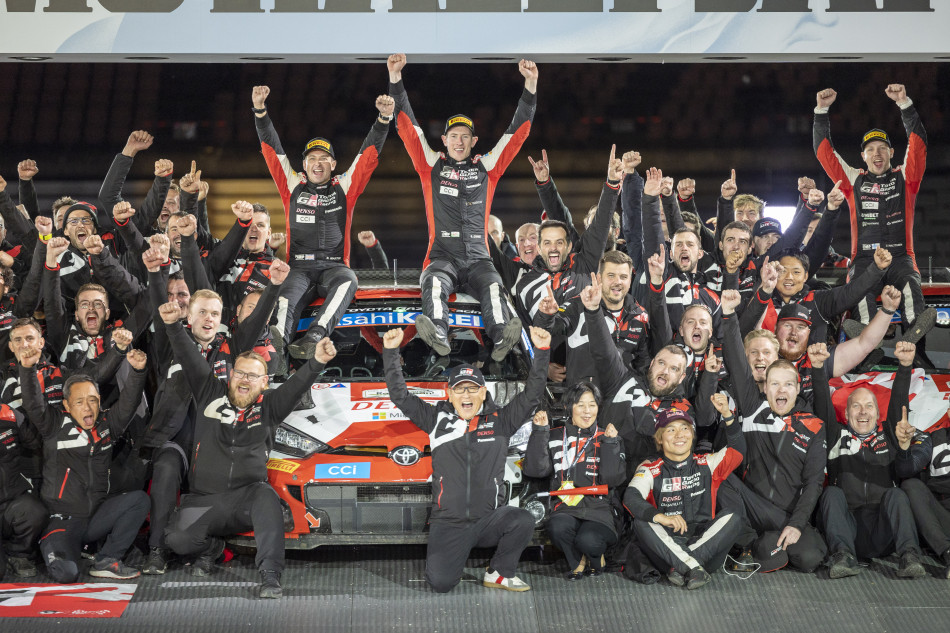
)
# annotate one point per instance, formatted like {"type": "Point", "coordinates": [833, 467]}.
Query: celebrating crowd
{"type": "Point", "coordinates": [694, 431]}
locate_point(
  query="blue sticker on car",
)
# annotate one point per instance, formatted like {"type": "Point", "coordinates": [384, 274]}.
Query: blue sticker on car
{"type": "Point", "coordinates": [356, 470]}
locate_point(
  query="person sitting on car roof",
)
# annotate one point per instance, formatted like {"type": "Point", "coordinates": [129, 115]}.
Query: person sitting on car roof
{"type": "Point", "coordinates": [233, 435]}
{"type": "Point", "coordinates": [578, 454]}
{"type": "Point", "coordinates": [469, 437]}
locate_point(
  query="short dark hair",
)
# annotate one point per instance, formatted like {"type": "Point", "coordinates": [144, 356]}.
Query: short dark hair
{"type": "Point", "coordinates": [554, 224]}
{"type": "Point", "coordinates": [76, 379]}
{"type": "Point", "coordinates": [691, 218]}
{"type": "Point", "coordinates": [27, 322]}
{"type": "Point", "coordinates": [614, 257]}
{"type": "Point", "coordinates": [736, 225]}
{"type": "Point", "coordinates": [684, 229]}
{"type": "Point", "coordinates": [795, 253]}
{"type": "Point", "coordinates": [574, 393]}
{"type": "Point", "coordinates": [178, 275]}
{"type": "Point", "coordinates": [7, 277]}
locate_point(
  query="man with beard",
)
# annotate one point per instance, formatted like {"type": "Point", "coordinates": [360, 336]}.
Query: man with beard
{"type": "Point", "coordinates": [784, 465]}
{"type": "Point", "coordinates": [863, 510]}
{"type": "Point", "coordinates": [629, 403]}
{"type": "Point", "coordinates": [794, 333]}
{"type": "Point", "coordinates": [458, 187]}
{"type": "Point", "coordinates": [162, 199]}
{"type": "Point", "coordinates": [882, 200]}
{"type": "Point", "coordinates": [170, 434]}
{"type": "Point", "coordinates": [234, 434]}
{"type": "Point", "coordinates": [318, 209]}
{"type": "Point", "coordinates": [80, 221]}
{"type": "Point", "coordinates": [682, 285]}
{"type": "Point", "coordinates": [556, 266]}
{"type": "Point", "coordinates": [636, 333]}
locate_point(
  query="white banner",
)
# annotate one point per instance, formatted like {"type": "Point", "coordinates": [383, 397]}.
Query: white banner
{"type": "Point", "coordinates": [462, 30]}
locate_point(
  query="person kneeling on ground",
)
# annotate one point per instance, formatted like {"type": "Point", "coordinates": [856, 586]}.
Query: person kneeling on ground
{"type": "Point", "coordinates": [469, 437]}
{"type": "Point", "coordinates": [672, 499]}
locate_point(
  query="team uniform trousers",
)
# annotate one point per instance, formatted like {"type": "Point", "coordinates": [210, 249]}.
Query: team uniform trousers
{"type": "Point", "coordinates": [931, 514]}
{"type": "Point", "coordinates": [869, 531]}
{"type": "Point", "coordinates": [336, 283]}
{"type": "Point", "coordinates": [479, 278]}
{"type": "Point", "coordinates": [706, 545]}
{"type": "Point", "coordinates": [22, 520]}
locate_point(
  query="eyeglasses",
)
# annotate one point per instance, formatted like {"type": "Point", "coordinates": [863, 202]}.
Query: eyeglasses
{"type": "Point", "coordinates": [460, 389]}
{"type": "Point", "coordinates": [78, 221]}
{"type": "Point", "coordinates": [86, 305]}
{"type": "Point", "coordinates": [243, 374]}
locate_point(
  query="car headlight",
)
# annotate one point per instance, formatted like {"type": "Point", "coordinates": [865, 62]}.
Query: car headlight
{"type": "Point", "coordinates": [293, 442]}
{"type": "Point", "coordinates": [519, 440]}
{"type": "Point", "coordinates": [537, 510]}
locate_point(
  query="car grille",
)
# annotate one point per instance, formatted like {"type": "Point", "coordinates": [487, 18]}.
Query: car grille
{"type": "Point", "coordinates": [372, 508]}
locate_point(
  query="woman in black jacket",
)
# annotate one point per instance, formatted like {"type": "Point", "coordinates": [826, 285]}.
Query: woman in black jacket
{"type": "Point", "coordinates": [581, 453]}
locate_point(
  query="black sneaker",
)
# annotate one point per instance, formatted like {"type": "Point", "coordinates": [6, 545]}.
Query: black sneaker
{"type": "Point", "coordinates": [675, 578]}
{"type": "Point", "coordinates": [21, 566]}
{"type": "Point", "coordinates": [696, 578]}
{"type": "Point", "coordinates": [925, 322]}
{"type": "Point", "coordinates": [204, 564]}
{"type": "Point", "coordinates": [744, 562]}
{"type": "Point", "coordinates": [911, 566]}
{"type": "Point", "coordinates": [305, 346]}
{"type": "Point", "coordinates": [112, 568]}
{"type": "Point", "coordinates": [510, 336]}
{"type": "Point", "coordinates": [62, 570]}
{"type": "Point", "coordinates": [280, 351]}
{"type": "Point", "coordinates": [156, 563]}
{"type": "Point", "coordinates": [433, 335]}
{"type": "Point", "coordinates": [270, 584]}
{"type": "Point", "coordinates": [842, 565]}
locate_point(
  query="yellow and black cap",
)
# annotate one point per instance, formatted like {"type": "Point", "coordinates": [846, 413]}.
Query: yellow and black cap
{"type": "Point", "coordinates": [875, 135]}
{"type": "Point", "coordinates": [459, 119]}
{"type": "Point", "coordinates": [319, 143]}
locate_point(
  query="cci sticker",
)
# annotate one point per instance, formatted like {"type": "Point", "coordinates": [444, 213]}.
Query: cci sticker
{"type": "Point", "coordinates": [358, 470]}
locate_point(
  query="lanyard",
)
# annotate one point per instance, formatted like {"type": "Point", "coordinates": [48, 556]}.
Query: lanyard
{"type": "Point", "coordinates": [579, 450]}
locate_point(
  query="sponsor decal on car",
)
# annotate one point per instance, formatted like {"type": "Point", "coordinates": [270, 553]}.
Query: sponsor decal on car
{"type": "Point", "coordinates": [283, 465]}
{"type": "Point", "coordinates": [354, 470]}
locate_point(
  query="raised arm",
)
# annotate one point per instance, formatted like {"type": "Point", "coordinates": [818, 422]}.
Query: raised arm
{"type": "Point", "coordinates": [409, 130]}
{"type": "Point", "coordinates": [632, 220]}
{"type": "Point", "coordinates": [274, 155]}
{"type": "Point", "coordinates": [836, 300]}
{"type": "Point", "coordinates": [747, 394]}
{"type": "Point", "coordinates": [516, 412]}
{"type": "Point", "coordinates": [497, 160]}
{"type": "Point", "coordinates": [419, 413]}
{"type": "Point", "coordinates": [26, 170]}
{"type": "Point", "coordinates": [594, 241]}
{"type": "Point", "coordinates": [537, 458]}
{"type": "Point", "coordinates": [253, 327]}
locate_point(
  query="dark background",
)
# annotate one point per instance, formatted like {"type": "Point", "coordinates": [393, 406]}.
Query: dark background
{"type": "Point", "coordinates": [695, 120]}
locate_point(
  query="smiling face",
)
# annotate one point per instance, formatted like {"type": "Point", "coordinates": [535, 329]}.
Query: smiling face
{"type": "Point", "coordinates": [792, 338]}
{"type": "Point", "coordinates": [764, 242]}
{"type": "Point", "coordinates": [760, 352]}
{"type": "Point", "coordinates": [676, 440]}
{"type": "Point", "coordinates": [174, 235]}
{"type": "Point", "coordinates": [83, 404]}
{"type": "Point", "coordinates": [584, 411]}
{"type": "Point", "coordinates": [319, 166]}
{"type": "Point", "coordinates": [615, 282]}
{"type": "Point", "coordinates": [459, 142]}
{"type": "Point", "coordinates": [696, 328]}
{"type": "Point", "coordinates": [79, 226]}
{"type": "Point", "coordinates": [666, 372]}
{"type": "Point", "coordinates": [92, 311]}
{"type": "Point", "coordinates": [178, 292]}
{"type": "Point", "coordinates": [793, 279]}
{"type": "Point", "coordinates": [746, 213]}
{"type": "Point", "coordinates": [246, 382]}
{"type": "Point", "coordinates": [204, 317]}
{"type": "Point", "coordinates": [554, 246]}
{"type": "Point", "coordinates": [258, 234]}
{"type": "Point", "coordinates": [467, 404]}
{"type": "Point", "coordinates": [685, 251]}
{"type": "Point", "coordinates": [496, 230]}
{"type": "Point", "coordinates": [877, 156]}
{"type": "Point", "coordinates": [247, 305]}
{"type": "Point", "coordinates": [527, 239]}
{"type": "Point", "coordinates": [862, 413]}
{"type": "Point", "coordinates": [781, 389]}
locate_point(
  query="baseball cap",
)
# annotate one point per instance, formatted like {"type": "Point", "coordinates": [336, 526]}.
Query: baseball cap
{"type": "Point", "coordinates": [795, 311]}
{"type": "Point", "coordinates": [768, 554]}
{"type": "Point", "coordinates": [666, 416]}
{"type": "Point", "coordinates": [319, 143]}
{"type": "Point", "coordinates": [82, 206]}
{"type": "Point", "coordinates": [466, 373]}
{"type": "Point", "coordinates": [875, 135]}
{"type": "Point", "coordinates": [459, 119]}
{"type": "Point", "coordinates": [764, 226]}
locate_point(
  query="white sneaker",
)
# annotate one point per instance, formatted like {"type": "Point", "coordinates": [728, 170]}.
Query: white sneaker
{"type": "Point", "coordinates": [496, 580]}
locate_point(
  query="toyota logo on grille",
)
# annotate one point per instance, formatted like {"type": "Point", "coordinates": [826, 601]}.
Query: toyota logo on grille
{"type": "Point", "coordinates": [405, 455]}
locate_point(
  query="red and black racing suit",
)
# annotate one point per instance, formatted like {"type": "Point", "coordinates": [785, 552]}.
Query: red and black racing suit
{"type": "Point", "coordinates": [458, 197]}
{"type": "Point", "coordinates": [318, 229]}
{"type": "Point", "coordinates": [882, 211]}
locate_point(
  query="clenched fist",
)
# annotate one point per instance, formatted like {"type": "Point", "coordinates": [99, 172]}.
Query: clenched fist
{"type": "Point", "coordinates": [164, 168]}
{"type": "Point", "coordinates": [243, 210]}
{"type": "Point", "coordinates": [122, 211]}
{"type": "Point", "coordinates": [169, 312]}
{"type": "Point", "coordinates": [137, 358]}
{"type": "Point", "coordinates": [122, 338]}
{"type": "Point", "coordinates": [392, 339]}
{"type": "Point", "coordinates": [259, 96]}
{"type": "Point", "coordinates": [26, 169]}
{"type": "Point", "coordinates": [826, 97]}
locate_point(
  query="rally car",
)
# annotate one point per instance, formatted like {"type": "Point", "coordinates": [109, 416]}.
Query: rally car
{"type": "Point", "coordinates": [348, 466]}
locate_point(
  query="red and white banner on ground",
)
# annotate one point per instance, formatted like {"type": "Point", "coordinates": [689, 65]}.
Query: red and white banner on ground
{"type": "Point", "coordinates": [929, 396]}
{"type": "Point", "coordinates": [93, 600]}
